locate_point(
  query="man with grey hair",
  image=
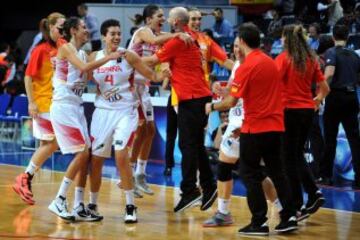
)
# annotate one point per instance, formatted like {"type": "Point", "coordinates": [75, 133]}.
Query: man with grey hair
{"type": "Point", "coordinates": [193, 93]}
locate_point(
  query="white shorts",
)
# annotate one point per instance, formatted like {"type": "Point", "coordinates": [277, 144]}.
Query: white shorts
{"type": "Point", "coordinates": [112, 127]}
{"type": "Point", "coordinates": [230, 146]}
{"type": "Point", "coordinates": [70, 127]}
{"type": "Point", "coordinates": [146, 109]}
{"type": "Point", "coordinates": [42, 127]}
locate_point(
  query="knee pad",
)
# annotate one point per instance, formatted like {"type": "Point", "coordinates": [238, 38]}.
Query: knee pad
{"type": "Point", "coordinates": [225, 171]}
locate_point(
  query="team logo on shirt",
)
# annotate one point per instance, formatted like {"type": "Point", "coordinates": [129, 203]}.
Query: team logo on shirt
{"type": "Point", "coordinates": [234, 89]}
{"type": "Point", "coordinates": [112, 95]}
{"type": "Point", "coordinates": [119, 142]}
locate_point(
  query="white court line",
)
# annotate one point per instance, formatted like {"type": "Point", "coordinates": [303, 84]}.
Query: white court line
{"type": "Point", "coordinates": [115, 180]}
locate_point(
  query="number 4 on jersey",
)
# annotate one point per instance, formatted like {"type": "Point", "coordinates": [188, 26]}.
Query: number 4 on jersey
{"type": "Point", "coordinates": [109, 79]}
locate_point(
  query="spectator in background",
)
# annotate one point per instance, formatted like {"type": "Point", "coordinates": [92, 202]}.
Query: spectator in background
{"type": "Point", "coordinates": [276, 21]}
{"type": "Point", "coordinates": [35, 42]}
{"type": "Point", "coordinates": [314, 34]}
{"type": "Point", "coordinates": [92, 24]}
{"type": "Point", "coordinates": [277, 45]}
{"type": "Point", "coordinates": [222, 28]}
{"type": "Point", "coordinates": [332, 10]}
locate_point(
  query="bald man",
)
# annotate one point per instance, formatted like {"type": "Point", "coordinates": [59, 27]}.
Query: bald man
{"type": "Point", "coordinates": [188, 81]}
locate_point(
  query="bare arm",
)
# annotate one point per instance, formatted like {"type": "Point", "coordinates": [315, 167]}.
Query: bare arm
{"type": "Point", "coordinates": [324, 90]}
{"type": "Point", "coordinates": [135, 61]}
{"type": "Point", "coordinates": [329, 73]}
{"type": "Point", "coordinates": [228, 64]}
{"type": "Point", "coordinates": [151, 60]}
{"type": "Point", "coordinates": [225, 104]}
{"type": "Point", "coordinates": [67, 52]}
{"type": "Point", "coordinates": [32, 107]}
{"type": "Point", "coordinates": [146, 36]}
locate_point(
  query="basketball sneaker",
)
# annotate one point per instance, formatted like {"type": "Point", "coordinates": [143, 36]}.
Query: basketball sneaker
{"type": "Point", "coordinates": [81, 215]}
{"type": "Point", "coordinates": [93, 210]}
{"type": "Point", "coordinates": [130, 214]}
{"type": "Point", "coordinates": [59, 207]}
{"type": "Point", "coordinates": [22, 187]}
{"type": "Point", "coordinates": [140, 182]}
{"type": "Point", "coordinates": [219, 220]}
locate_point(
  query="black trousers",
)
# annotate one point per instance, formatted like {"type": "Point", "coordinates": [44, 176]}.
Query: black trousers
{"type": "Point", "coordinates": [191, 123]}
{"type": "Point", "coordinates": [298, 123]}
{"type": "Point", "coordinates": [341, 107]}
{"type": "Point", "coordinates": [171, 132]}
{"type": "Point", "coordinates": [316, 141]}
{"type": "Point", "coordinates": [266, 146]}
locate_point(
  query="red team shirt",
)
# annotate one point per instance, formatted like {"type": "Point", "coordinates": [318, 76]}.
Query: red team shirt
{"type": "Point", "coordinates": [297, 85]}
{"type": "Point", "coordinates": [188, 78]}
{"type": "Point", "coordinates": [257, 81]}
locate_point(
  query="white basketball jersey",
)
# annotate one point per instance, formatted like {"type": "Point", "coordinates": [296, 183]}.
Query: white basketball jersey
{"type": "Point", "coordinates": [143, 50]}
{"type": "Point", "coordinates": [114, 81]}
{"type": "Point", "coordinates": [68, 81]}
{"type": "Point", "coordinates": [236, 114]}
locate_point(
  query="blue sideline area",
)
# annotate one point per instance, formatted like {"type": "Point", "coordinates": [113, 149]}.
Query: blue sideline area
{"type": "Point", "coordinates": [340, 198]}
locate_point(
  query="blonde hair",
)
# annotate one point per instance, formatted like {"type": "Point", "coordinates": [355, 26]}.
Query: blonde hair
{"type": "Point", "coordinates": [45, 23]}
{"type": "Point", "coordinates": [297, 47]}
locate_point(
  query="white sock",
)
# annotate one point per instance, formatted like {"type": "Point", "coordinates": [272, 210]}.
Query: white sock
{"type": "Point", "coordinates": [79, 196]}
{"type": "Point", "coordinates": [93, 197]}
{"type": "Point", "coordinates": [129, 194]}
{"type": "Point", "coordinates": [278, 205]}
{"type": "Point", "coordinates": [64, 187]}
{"type": "Point", "coordinates": [140, 166]}
{"type": "Point", "coordinates": [223, 205]}
{"type": "Point", "coordinates": [31, 168]}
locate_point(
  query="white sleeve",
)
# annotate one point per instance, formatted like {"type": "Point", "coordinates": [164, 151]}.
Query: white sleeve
{"type": "Point", "coordinates": [322, 7]}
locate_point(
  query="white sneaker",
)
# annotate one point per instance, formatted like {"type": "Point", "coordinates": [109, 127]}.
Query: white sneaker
{"type": "Point", "coordinates": [130, 214]}
{"type": "Point", "coordinates": [59, 207]}
{"type": "Point", "coordinates": [140, 182]}
{"type": "Point", "coordinates": [82, 215]}
{"type": "Point", "coordinates": [137, 192]}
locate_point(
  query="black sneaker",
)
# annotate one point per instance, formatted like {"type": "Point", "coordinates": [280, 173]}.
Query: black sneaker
{"type": "Point", "coordinates": [92, 209]}
{"type": "Point", "coordinates": [187, 200]}
{"type": "Point", "coordinates": [208, 198]}
{"type": "Point", "coordinates": [286, 226]}
{"type": "Point", "coordinates": [302, 214]}
{"type": "Point", "coordinates": [253, 229]}
{"type": "Point", "coordinates": [314, 203]}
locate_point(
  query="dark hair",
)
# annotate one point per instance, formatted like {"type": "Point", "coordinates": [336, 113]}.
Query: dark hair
{"type": "Point", "coordinates": [149, 11]}
{"type": "Point", "coordinates": [340, 32]}
{"type": "Point", "coordinates": [325, 42]}
{"type": "Point", "coordinates": [4, 46]}
{"type": "Point", "coordinates": [83, 6]}
{"type": "Point", "coordinates": [132, 30]}
{"type": "Point", "coordinates": [250, 34]}
{"type": "Point", "coordinates": [209, 32]}
{"type": "Point", "coordinates": [108, 23]}
{"type": "Point", "coordinates": [218, 10]}
{"type": "Point", "coordinates": [71, 22]}
{"type": "Point", "coordinates": [316, 26]}
{"type": "Point", "coordinates": [297, 47]}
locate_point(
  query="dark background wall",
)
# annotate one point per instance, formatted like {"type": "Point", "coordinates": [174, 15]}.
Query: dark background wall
{"type": "Point", "coordinates": [17, 16]}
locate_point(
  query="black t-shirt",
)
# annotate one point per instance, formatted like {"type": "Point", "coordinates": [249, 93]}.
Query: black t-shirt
{"type": "Point", "coordinates": [347, 67]}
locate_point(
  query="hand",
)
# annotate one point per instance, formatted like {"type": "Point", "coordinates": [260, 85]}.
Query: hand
{"type": "Point", "coordinates": [186, 38]}
{"type": "Point", "coordinates": [165, 83]}
{"type": "Point", "coordinates": [33, 110]}
{"type": "Point", "coordinates": [218, 89]}
{"type": "Point", "coordinates": [317, 102]}
{"type": "Point", "coordinates": [235, 133]}
{"type": "Point", "coordinates": [166, 72]}
{"type": "Point", "coordinates": [208, 108]}
{"type": "Point", "coordinates": [116, 55]}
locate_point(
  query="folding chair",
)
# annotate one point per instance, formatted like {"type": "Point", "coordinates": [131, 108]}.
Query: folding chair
{"type": "Point", "coordinates": [11, 123]}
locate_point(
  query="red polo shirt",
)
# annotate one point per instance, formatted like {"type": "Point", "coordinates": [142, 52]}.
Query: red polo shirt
{"type": "Point", "coordinates": [188, 78]}
{"type": "Point", "coordinates": [257, 81]}
{"type": "Point", "coordinates": [297, 85]}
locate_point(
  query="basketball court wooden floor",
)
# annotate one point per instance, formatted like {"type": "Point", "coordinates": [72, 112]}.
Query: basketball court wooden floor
{"type": "Point", "coordinates": [155, 215]}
